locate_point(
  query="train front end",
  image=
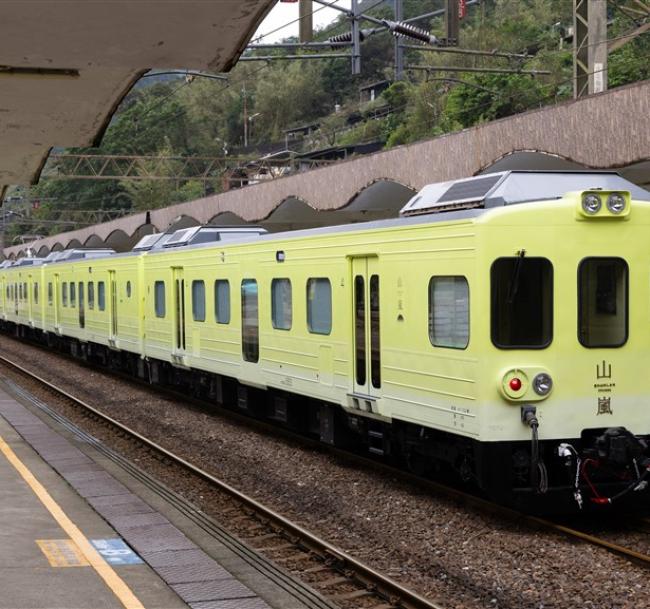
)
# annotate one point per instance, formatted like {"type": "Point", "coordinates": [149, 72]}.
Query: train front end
{"type": "Point", "coordinates": [566, 426]}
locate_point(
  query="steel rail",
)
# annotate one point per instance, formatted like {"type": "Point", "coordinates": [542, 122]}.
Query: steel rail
{"type": "Point", "coordinates": [366, 574]}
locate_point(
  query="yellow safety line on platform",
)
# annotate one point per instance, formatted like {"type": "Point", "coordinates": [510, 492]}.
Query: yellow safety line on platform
{"type": "Point", "coordinates": [112, 579]}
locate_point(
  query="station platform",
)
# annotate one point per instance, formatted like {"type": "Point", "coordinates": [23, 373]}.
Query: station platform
{"type": "Point", "coordinates": [78, 532]}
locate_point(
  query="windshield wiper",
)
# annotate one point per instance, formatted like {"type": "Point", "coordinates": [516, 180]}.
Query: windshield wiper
{"type": "Point", "coordinates": [514, 280]}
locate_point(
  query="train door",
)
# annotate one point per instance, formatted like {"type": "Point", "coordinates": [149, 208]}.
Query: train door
{"type": "Point", "coordinates": [56, 296]}
{"type": "Point", "coordinates": [179, 309]}
{"type": "Point", "coordinates": [112, 300]}
{"type": "Point", "coordinates": [366, 320]}
{"type": "Point", "coordinates": [30, 299]}
{"type": "Point", "coordinates": [82, 312]}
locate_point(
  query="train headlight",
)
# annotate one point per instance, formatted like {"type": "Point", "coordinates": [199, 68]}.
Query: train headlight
{"type": "Point", "coordinates": [591, 203]}
{"type": "Point", "coordinates": [542, 384]}
{"type": "Point", "coordinates": [616, 203]}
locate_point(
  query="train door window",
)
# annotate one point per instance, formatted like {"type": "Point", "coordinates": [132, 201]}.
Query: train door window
{"type": "Point", "coordinates": [64, 294]}
{"type": "Point", "coordinates": [198, 300]}
{"type": "Point", "coordinates": [82, 311]}
{"type": "Point", "coordinates": [222, 301]}
{"type": "Point", "coordinates": [101, 295]}
{"type": "Point", "coordinates": [602, 302]}
{"type": "Point", "coordinates": [319, 305]}
{"type": "Point", "coordinates": [73, 294]}
{"type": "Point", "coordinates": [20, 291]}
{"type": "Point", "coordinates": [449, 312]}
{"type": "Point", "coordinates": [375, 361]}
{"type": "Point", "coordinates": [250, 320]}
{"type": "Point", "coordinates": [25, 291]}
{"type": "Point", "coordinates": [50, 293]}
{"type": "Point", "coordinates": [128, 289]}
{"type": "Point", "coordinates": [360, 328]}
{"type": "Point", "coordinates": [281, 313]}
{"type": "Point", "coordinates": [159, 298]}
{"type": "Point", "coordinates": [35, 293]}
{"type": "Point", "coordinates": [91, 295]}
{"type": "Point", "coordinates": [522, 302]}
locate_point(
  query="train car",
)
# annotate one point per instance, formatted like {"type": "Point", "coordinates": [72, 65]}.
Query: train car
{"type": "Point", "coordinates": [495, 332]}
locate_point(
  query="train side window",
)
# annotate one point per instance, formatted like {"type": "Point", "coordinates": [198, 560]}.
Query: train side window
{"type": "Point", "coordinates": [522, 303]}
{"type": "Point", "coordinates": [222, 301]}
{"type": "Point", "coordinates": [50, 293]}
{"type": "Point", "coordinates": [25, 291]}
{"type": "Point", "coordinates": [198, 300]}
{"type": "Point", "coordinates": [101, 295]}
{"type": "Point", "coordinates": [250, 320]}
{"type": "Point", "coordinates": [319, 305]}
{"type": "Point", "coordinates": [128, 289]}
{"type": "Point", "coordinates": [281, 313]}
{"type": "Point", "coordinates": [35, 293]}
{"type": "Point", "coordinates": [91, 295]}
{"type": "Point", "coordinates": [449, 312]}
{"type": "Point", "coordinates": [159, 298]}
{"type": "Point", "coordinates": [603, 302]}
{"type": "Point", "coordinates": [64, 294]}
{"type": "Point", "coordinates": [73, 294]}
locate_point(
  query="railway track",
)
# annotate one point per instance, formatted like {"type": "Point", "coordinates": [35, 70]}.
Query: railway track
{"type": "Point", "coordinates": [340, 578]}
{"type": "Point", "coordinates": [335, 557]}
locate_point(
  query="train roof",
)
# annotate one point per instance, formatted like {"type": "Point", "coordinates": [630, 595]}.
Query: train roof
{"type": "Point", "coordinates": [513, 187]}
{"type": "Point", "coordinates": [197, 235]}
{"type": "Point", "coordinates": [459, 200]}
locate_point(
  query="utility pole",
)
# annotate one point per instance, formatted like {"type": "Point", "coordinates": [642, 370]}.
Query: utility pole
{"type": "Point", "coordinates": [306, 21]}
{"type": "Point", "coordinates": [452, 21]}
{"type": "Point", "coordinates": [399, 47]}
{"type": "Point", "coordinates": [245, 116]}
{"type": "Point", "coordinates": [589, 47]}
{"type": "Point", "coordinates": [356, 38]}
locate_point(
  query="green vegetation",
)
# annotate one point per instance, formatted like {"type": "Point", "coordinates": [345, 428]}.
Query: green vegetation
{"type": "Point", "coordinates": [206, 117]}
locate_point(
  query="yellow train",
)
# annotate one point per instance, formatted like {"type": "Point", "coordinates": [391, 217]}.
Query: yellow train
{"type": "Point", "coordinates": [497, 331]}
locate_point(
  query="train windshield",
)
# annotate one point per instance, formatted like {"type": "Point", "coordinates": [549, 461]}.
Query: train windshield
{"type": "Point", "coordinates": [602, 302]}
{"type": "Point", "coordinates": [522, 302]}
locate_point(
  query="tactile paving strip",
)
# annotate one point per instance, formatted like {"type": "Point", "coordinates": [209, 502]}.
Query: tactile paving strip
{"type": "Point", "coordinates": [197, 578]}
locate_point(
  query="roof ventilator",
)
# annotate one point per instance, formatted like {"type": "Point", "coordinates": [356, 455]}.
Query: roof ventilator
{"type": "Point", "coordinates": [513, 187]}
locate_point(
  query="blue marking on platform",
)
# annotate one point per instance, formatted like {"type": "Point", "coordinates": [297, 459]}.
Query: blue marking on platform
{"type": "Point", "coordinates": [116, 552]}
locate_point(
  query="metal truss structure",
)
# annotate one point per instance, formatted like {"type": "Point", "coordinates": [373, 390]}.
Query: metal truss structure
{"type": "Point", "coordinates": [232, 171]}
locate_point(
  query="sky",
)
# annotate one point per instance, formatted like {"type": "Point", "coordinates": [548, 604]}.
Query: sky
{"type": "Point", "coordinates": [284, 12]}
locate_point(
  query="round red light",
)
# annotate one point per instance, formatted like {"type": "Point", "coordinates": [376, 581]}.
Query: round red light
{"type": "Point", "coordinates": [515, 384]}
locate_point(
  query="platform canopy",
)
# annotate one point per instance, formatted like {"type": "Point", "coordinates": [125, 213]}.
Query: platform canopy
{"type": "Point", "coordinates": [65, 65]}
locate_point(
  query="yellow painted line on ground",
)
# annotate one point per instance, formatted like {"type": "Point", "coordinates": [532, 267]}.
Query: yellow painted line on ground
{"type": "Point", "coordinates": [104, 570]}
{"type": "Point", "coordinates": [62, 553]}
